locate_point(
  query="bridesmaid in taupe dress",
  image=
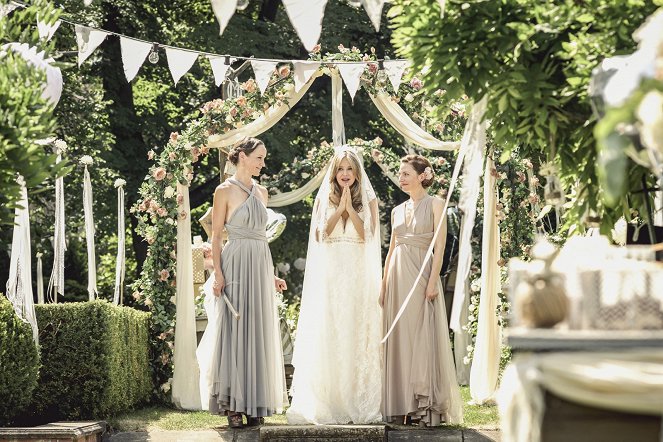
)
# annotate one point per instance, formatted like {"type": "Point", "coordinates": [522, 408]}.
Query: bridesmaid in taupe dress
{"type": "Point", "coordinates": [419, 377]}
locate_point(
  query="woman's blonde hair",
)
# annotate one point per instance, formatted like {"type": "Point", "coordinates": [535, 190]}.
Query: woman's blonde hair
{"type": "Point", "coordinates": [355, 189]}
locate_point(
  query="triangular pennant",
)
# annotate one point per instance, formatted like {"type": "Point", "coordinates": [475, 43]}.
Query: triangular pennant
{"type": "Point", "coordinates": [263, 71]}
{"type": "Point", "coordinates": [374, 10]}
{"type": "Point", "coordinates": [134, 53]}
{"type": "Point", "coordinates": [179, 62]}
{"type": "Point", "coordinates": [306, 18]}
{"type": "Point", "coordinates": [88, 40]}
{"type": "Point", "coordinates": [6, 9]}
{"type": "Point", "coordinates": [303, 72]}
{"type": "Point", "coordinates": [219, 68]}
{"type": "Point", "coordinates": [351, 73]}
{"type": "Point", "coordinates": [46, 30]}
{"type": "Point", "coordinates": [394, 70]}
{"type": "Point", "coordinates": [223, 10]}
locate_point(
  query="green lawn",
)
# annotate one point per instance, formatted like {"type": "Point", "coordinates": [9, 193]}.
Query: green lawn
{"type": "Point", "coordinates": [162, 418]}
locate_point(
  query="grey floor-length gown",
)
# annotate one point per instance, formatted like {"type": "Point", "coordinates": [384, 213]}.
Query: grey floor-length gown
{"type": "Point", "coordinates": [247, 367]}
{"type": "Point", "coordinates": [419, 377]}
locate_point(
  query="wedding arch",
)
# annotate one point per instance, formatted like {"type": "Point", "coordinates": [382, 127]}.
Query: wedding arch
{"type": "Point", "coordinates": [164, 215]}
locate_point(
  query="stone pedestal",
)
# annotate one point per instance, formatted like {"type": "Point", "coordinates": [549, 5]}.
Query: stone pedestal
{"type": "Point", "coordinates": [56, 431]}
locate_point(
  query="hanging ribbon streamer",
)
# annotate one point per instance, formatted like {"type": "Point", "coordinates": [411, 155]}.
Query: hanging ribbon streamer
{"type": "Point", "coordinates": [338, 127]}
{"type": "Point", "coordinates": [86, 160]}
{"type": "Point", "coordinates": [56, 282]}
{"type": "Point", "coordinates": [118, 296]}
{"type": "Point", "coordinates": [19, 285]}
{"type": "Point", "coordinates": [40, 280]}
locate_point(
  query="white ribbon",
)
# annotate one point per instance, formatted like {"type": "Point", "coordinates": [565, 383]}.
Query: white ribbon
{"type": "Point", "coordinates": [303, 72]}
{"type": "Point", "coordinates": [219, 68]}
{"type": "Point", "coordinates": [56, 281]}
{"type": "Point", "coordinates": [120, 259]}
{"type": "Point", "coordinates": [40, 280]}
{"type": "Point", "coordinates": [19, 285]}
{"type": "Point", "coordinates": [338, 128]}
{"type": "Point", "coordinates": [306, 17]}
{"type": "Point", "coordinates": [223, 10]}
{"type": "Point", "coordinates": [89, 235]}
{"type": "Point", "coordinates": [374, 10]}
{"type": "Point", "coordinates": [179, 62]}
{"type": "Point", "coordinates": [263, 71]}
{"type": "Point", "coordinates": [134, 53]}
{"type": "Point", "coordinates": [88, 40]}
{"type": "Point", "coordinates": [394, 70]}
{"type": "Point", "coordinates": [351, 73]}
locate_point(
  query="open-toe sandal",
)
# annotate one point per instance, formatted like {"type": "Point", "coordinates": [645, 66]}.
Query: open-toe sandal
{"type": "Point", "coordinates": [235, 420]}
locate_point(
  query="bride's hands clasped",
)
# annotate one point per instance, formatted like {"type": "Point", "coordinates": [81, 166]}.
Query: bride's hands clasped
{"type": "Point", "coordinates": [345, 204]}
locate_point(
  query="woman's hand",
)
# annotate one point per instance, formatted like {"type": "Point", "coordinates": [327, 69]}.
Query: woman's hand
{"type": "Point", "coordinates": [383, 290]}
{"type": "Point", "coordinates": [431, 290]}
{"type": "Point", "coordinates": [342, 204]}
{"type": "Point", "coordinates": [280, 284]}
{"type": "Point", "coordinates": [348, 199]}
{"type": "Point", "coordinates": [219, 284]}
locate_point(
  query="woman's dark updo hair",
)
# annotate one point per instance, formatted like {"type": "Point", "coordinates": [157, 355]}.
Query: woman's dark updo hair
{"type": "Point", "coordinates": [420, 164]}
{"type": "Point", "coordinates": [247, 145]}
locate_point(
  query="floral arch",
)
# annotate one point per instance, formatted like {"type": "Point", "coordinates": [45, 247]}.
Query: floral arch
{"type": "Point", "coordinates": [163, 208]}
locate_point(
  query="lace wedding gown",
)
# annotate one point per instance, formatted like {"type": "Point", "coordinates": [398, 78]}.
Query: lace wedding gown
{"type": "Point", "coordinates": [337, 358]}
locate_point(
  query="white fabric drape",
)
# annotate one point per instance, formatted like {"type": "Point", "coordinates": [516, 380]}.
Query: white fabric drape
{"type": "Point", "coordinates": [179, 62]}
{"type": "Point", "coordinates": [88, 40]}
{"type": "Point", "coordinates": [462, 339]}
{"type": "Point", "coordinates": [265, 122]}
{"type": "Point", "coordinates": [56, 281]}
{"type": "Point", "coordinates": [306, 18]}
{"type": "Point", "coordinates": [399, 119]}
{"type": "Point", "coordinates": [185, 388]}
{"type": "Point", "coordinates": [40, 280]}
{"type": "Point", "coordinates": [338, 126]}
{"type": "Point", "coordinates": [295, 196]}
{"type": "Point", "coordinates": [486, 360]}
{"type": "Point", "coordinates": [473, 145]}
{"type": "Point", "coordinates": [134, 53]}
{"type": "Point", "coordinates": [120, 266]}
{"type": "Point", "coordinates": [629, 382]}
{"type": "Point", "coordinates": [19, 285]}
{"type": "Point", "coordinates": [89, 235]}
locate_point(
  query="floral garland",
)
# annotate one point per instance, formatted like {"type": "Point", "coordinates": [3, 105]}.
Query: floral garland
{"type": "Point", "coordinates": [160, 205]}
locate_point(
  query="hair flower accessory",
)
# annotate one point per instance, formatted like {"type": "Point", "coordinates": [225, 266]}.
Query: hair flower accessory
{"type": "Point", "coordinates": [428, 173]}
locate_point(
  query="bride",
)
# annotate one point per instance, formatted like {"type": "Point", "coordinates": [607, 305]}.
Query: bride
{"type": "Point", "coordinates": [337, 362]}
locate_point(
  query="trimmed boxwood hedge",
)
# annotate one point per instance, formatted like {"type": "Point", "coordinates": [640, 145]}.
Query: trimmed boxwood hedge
{"type": "Point", "coordinates": [95, 360]}
{"type": "Point", "coordinates": [19, 363]}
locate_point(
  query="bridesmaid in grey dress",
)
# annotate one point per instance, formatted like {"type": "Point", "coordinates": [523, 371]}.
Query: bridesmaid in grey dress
{"type": "Point", "coordinates": [419, 377]}
{"type": "Point", "coordinates": [247, 375]}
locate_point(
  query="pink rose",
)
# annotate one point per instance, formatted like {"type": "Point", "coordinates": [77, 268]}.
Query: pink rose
{"type": "Point", "coordinates": [164, 358]}
{"type": "Point", "coordinates": [520, 177]}
{"type": "Point", "coordinates": [416, 84]}
{"type": "Point", "coordinates": [150, 240]}
{"type": "Point", "coordinates": [154, 205]}
{"type": "Point", "coordinates": [159, 173]}
{"type": "Point", "coordinates": [164, 275]}
{"type": "Point", "coordinates": [249, 86]}
{"type": "Point", "coordinates": [148, 302]}
{"type": "Point", "coordinates": [533, 198]}
{"type": "Point", "coordinates": [180, 199]}
{"type": "Point", "coordinates": [284, 70]}
{"type": "Point", "coordinates": [204, 150]}
{"type": "Point", "coordinates": [173, 137]}
{"type": "Point", "coordinates": [233, 111]}
{"type": "Point", "coordinates": [528, 163]}
{"type": "Point", "coordinates": [373, 68]}
{"type": "Point", "coordinates": [162, 212]}
{"type": "Point", "coordinates": [136, 295]}
{"type": "Point", "coordinates": [195, 152]}
{"type": "Point", "coordinates": [182, 214]}
{"type": "Point", "coordinates": [501, 262]}
{"type": "Point", "coordinates": [316, 48]}
{"type": "Point", "coordinates": [241, 101]}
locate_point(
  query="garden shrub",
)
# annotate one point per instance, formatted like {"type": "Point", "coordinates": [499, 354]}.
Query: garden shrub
{"type": "Point", "coordinates": [19, 363]}
{"type": "Point", "coordinates": [95, 360]}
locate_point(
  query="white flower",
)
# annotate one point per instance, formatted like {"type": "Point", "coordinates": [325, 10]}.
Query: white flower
{"type": "Point", "coordinates": [469, 348]}
{"type": "Point", "coordinates": [472, 307]}
{"type": "Point", "coordinates": [619, 231]}
{"type": "Point", "coordinates": [60, 146]}
{"type": "Point", "coordinates": [119, 182]}
{"type": "Point", "coordinates": [305, 175]}
{"type": "Point", "coordinates": [170, 221]}
{"type": "Point", "coordinates": [86, 160]}
{"type": "Point", "coordinates": [283, 267]}
{"type": "Point", "coordinates": [475, 286]}
{"type": "Point", "coordinates": [168, 192]}
{"type": "Point", "coordinates": [173, 299]}
{"type": "Point", "coordinates": [288, 87]}
{"type": "Point", "coordinates": [650, 114]}
{"type": "Point", "coordinates": [166, 386]}
{"type": "Point", "coordinates": [471, 318]}
{"type": "Point", "coordinates": [409, 98]}
{"type": "Point", "coordinates": [300, 263]}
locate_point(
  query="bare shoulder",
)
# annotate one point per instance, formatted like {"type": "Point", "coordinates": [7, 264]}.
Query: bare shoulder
{"type": "Point", "coordinates": [438, 203]}
{"type": "Point", "coordinates": [263, 191]}
{"type": "Point", "coordinates": [223, 190]}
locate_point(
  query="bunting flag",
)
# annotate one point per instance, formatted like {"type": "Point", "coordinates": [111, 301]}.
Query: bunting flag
{"type": "Point", "coordinates": [179, 62]}
{"type": "Point", "coordinates": [394, 70]}
{"type": "Point", "coordinates": [46, 30]}
{"type": "Point", "coordinates": [223, 10]}
{"type": "Point", "coordinates": [306, 18]}
{"type": "Point", "coordinates": [303, 72]}
{"type": "Point", "coordinates": [88, 40]}
{"type": "Point", "coordinates": [374, 10]}
{"type": "Point", "coordinates": [5, 10]}
{"type": "Point", "coordinates": [134, 53]}
{"type": "Point", "coordinates": [263, 71]}
{"type": "Point", "coordinates": [219, 67]}
{"type": "Point", "coordinates": [53, 87]}
{"type": "Point", "coordinates": [351, 73]}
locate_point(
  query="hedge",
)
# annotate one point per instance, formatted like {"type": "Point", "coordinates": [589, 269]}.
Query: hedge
{"type": "Point", "coordinates": [19, 363]}
{"type": "Point", "coordinates": [95, 360]}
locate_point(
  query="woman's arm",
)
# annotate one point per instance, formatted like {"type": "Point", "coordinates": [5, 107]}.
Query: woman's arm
{"type": "Point", "coordinates": [438, 250]}
{"type": "Point", "coordinates": [219, 209]}
{"type": "Point", "coordinates": [392, 245]}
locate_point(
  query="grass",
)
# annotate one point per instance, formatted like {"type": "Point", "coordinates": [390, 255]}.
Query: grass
{"type": "Point", "coordinates": [162, 418]}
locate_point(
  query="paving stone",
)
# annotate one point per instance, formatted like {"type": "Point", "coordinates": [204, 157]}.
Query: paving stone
{"type": "Point", "coordinates": [314, 433]}
{"type": "Point", "coordinates": [478, 435]}
{"type": "Point", "coordinates": [425, 434]}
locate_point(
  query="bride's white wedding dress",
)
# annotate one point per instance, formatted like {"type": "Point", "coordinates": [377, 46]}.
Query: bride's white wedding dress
{"type": "Point", "coordinates": [337, 360]}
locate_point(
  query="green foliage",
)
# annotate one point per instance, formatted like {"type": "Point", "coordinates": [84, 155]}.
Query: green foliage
{"type": "Point", "coordinates": [25, 116]}
{"type": "Point", "coordinates": [19, 363]}
{"type": "Point", "coordinates": [95, 360]}
{"type": "Point", "coordinates": [533, 59]}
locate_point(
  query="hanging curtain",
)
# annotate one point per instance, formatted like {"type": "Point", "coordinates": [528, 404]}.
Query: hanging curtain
{"type": "Point", "coordinates": [89, 231]}
{"type": "Point", "coordinates": [120, 266]}
{"type": "Point", "coordinates": [185, 389]}
{"type": "Point", "coordinates": [56, 282]}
